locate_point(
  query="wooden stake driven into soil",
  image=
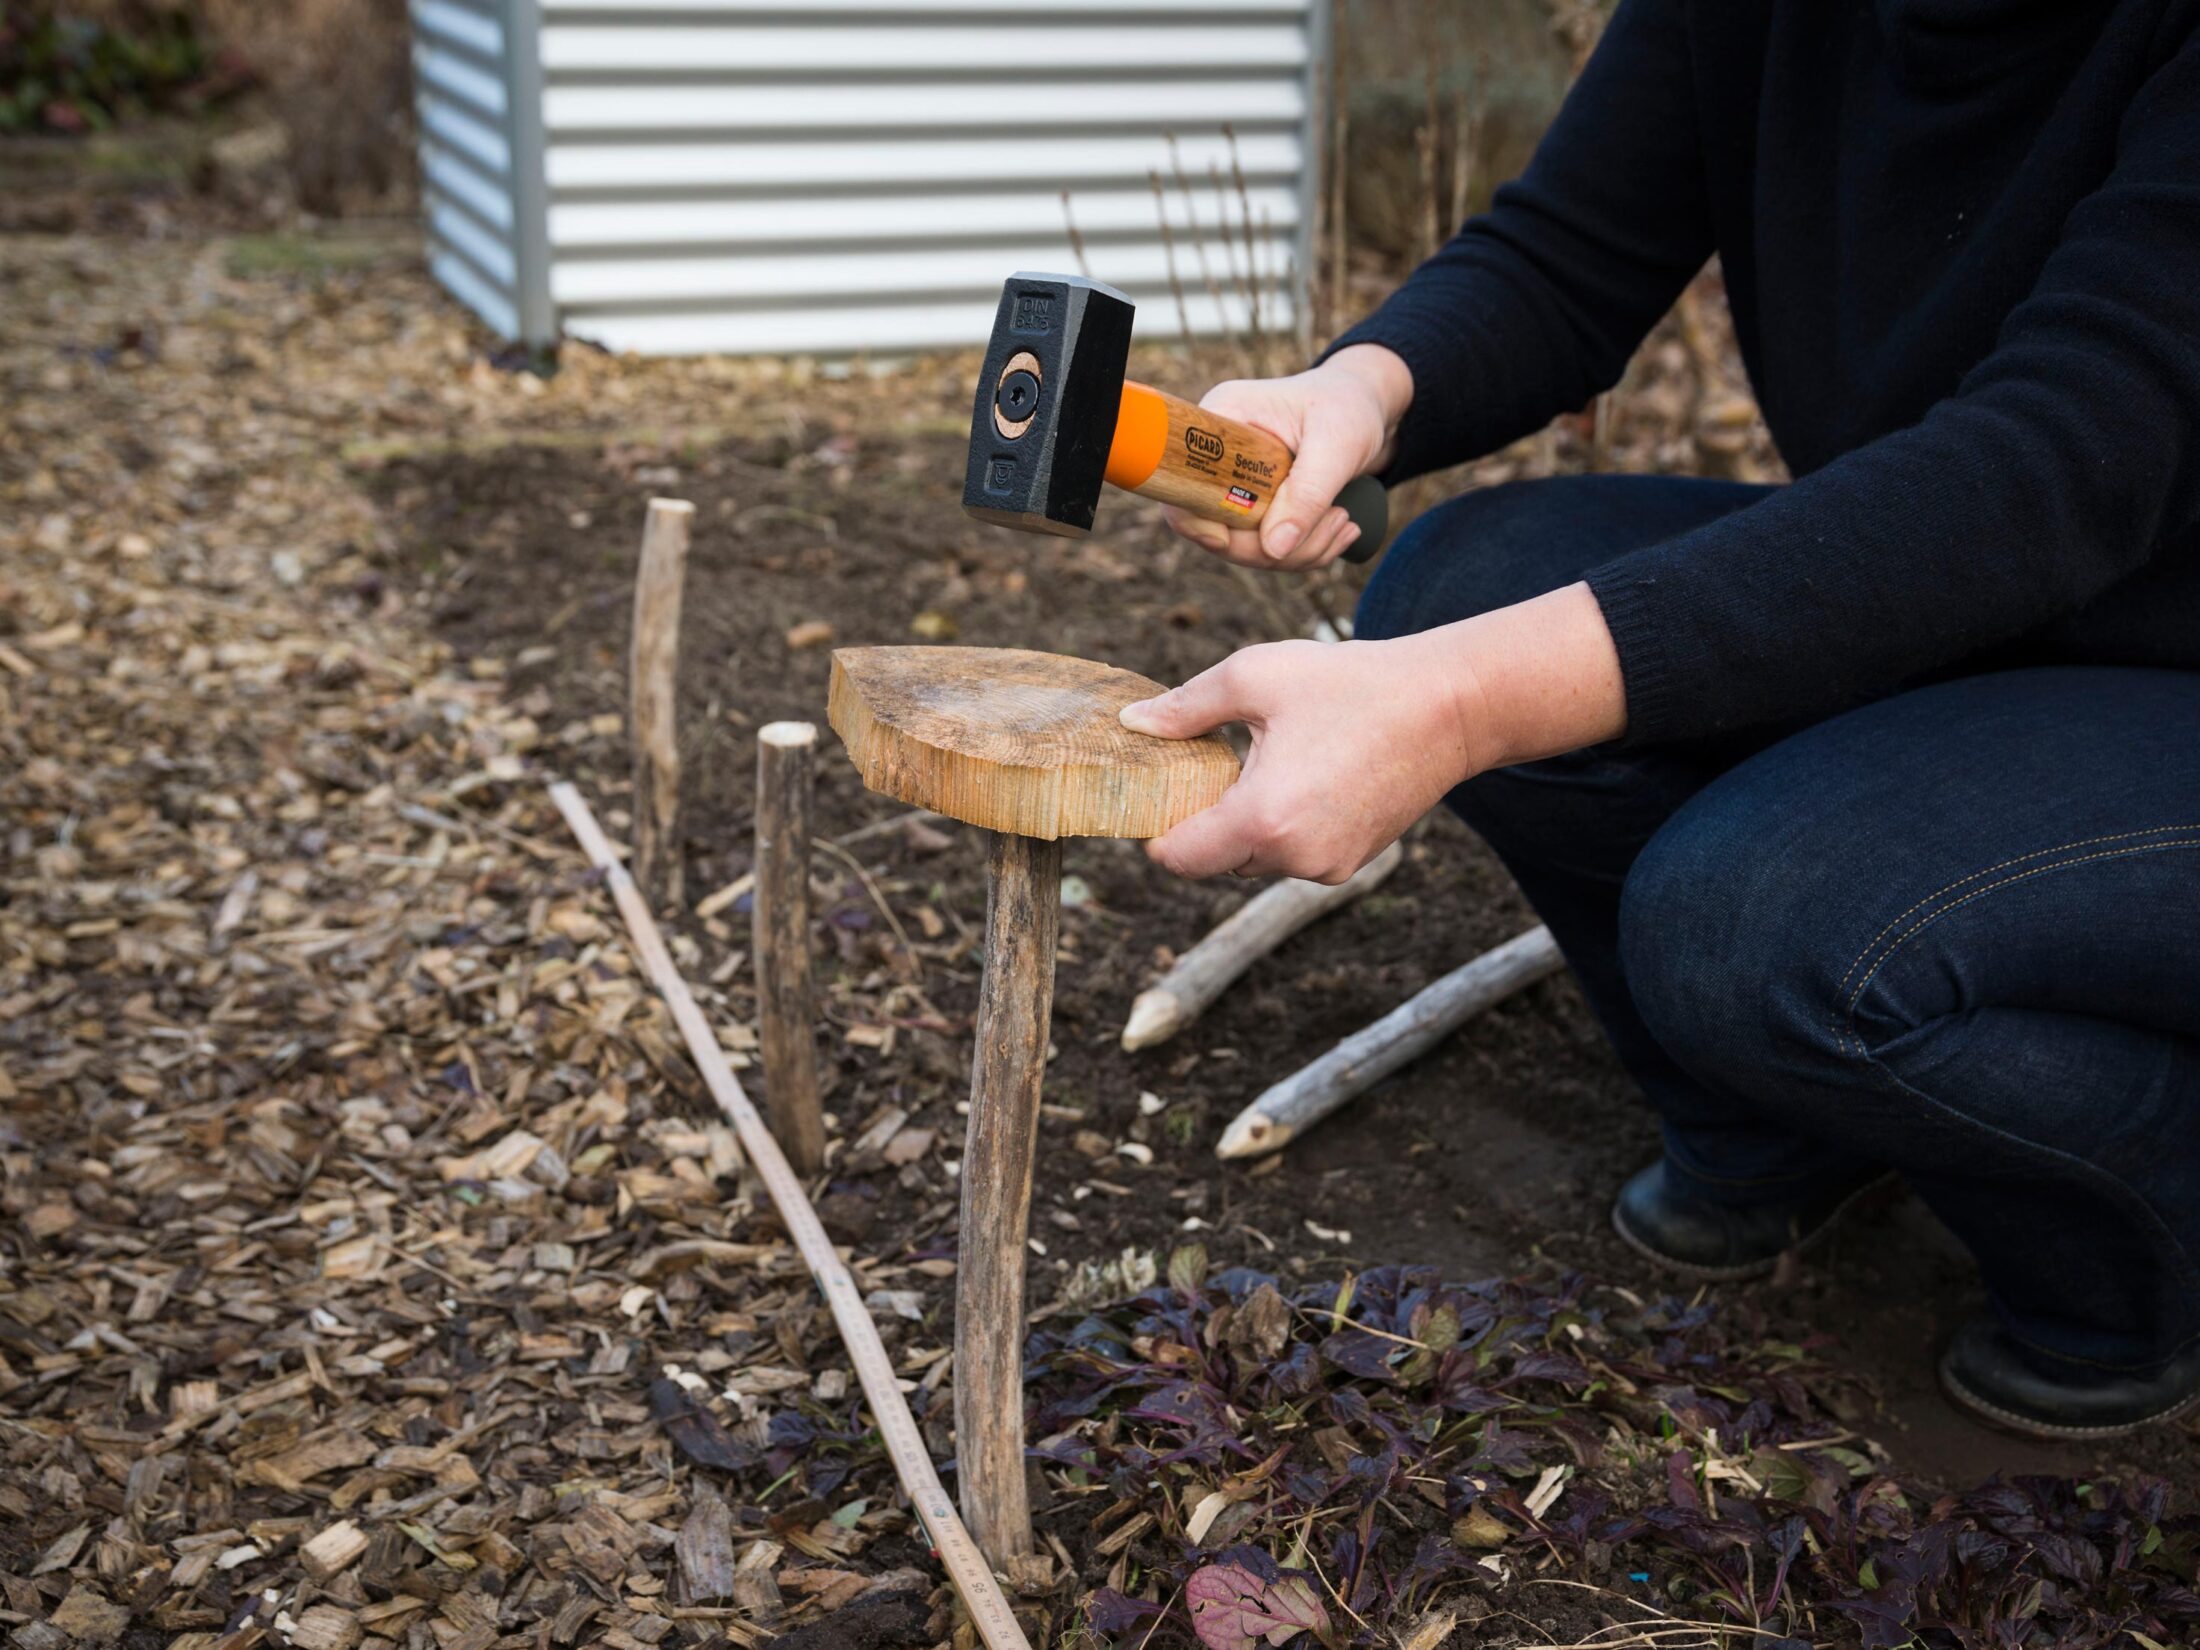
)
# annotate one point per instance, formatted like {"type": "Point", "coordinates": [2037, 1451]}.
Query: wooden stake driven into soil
{"type": "Point", "coordinates": [653, 675]}
{"type": "Point", "coordinates": [1028, 746]}
{"type": "Point", "coordinates": [1406, 1033]}
{"type": "Point", "coordinates": [781, 935]}
{"type": "Point", "coordinates": [966, 1567]}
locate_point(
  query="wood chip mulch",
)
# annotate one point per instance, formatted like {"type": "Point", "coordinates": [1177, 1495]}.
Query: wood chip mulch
{"type": "Point", "coordinates": [370, 1275]}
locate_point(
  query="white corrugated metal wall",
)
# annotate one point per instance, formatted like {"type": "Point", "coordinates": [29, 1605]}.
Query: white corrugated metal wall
{"type": "Point", "coordinates": [673, 176]}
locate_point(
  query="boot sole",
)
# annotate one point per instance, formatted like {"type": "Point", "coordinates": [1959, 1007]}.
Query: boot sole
{"type": "Point", "coordinates": [1749, 1269]}
{"type": "Point", "coordinates": [2008, 1420]}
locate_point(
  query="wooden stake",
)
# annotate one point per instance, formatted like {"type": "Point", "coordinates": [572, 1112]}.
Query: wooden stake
{"type": "Point", "coordinates": [1015, 1003]}
{"type": "Point", "coordinates": [1029, 746]}
{"type": "Point", "coordinates": [1367, 1057]}
{"type": "Point", "coordinates": [653, 680]}
{"type": "Point", "coordinates": [781, 935]}
{"type": "Point", "coordinates": [1252, 931]}
{"type": "Point", "coordinates": [966, 1567]}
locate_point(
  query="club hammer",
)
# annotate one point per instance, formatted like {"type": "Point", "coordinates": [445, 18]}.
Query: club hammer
{"type": "Point", "coordinates": [1055, 417]}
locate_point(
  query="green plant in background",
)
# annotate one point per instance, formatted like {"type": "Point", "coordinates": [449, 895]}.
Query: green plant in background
{"type": "Point", "coordinates": [74, 68]}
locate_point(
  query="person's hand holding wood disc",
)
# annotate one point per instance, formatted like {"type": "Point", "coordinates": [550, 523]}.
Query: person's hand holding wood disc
{"type": "Point", "coordinates": [1354, 741]}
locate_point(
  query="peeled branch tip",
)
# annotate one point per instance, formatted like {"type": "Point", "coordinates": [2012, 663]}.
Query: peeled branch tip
{"type": "Point", "coordinates": [1251, 1134]}
{"type": "Point", "coordinates": [1155, 1017]}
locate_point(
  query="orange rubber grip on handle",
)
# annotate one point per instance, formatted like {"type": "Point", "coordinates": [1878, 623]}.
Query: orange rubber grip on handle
{"type": "Point", "coordinates": [1141, 432]}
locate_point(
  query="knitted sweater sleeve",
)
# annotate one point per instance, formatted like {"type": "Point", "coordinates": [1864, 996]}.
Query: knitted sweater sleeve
{"type": "Point", "coordinates": [2062, 463]}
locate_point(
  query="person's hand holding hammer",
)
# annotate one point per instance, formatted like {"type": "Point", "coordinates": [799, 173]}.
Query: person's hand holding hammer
{"type": "Point", "coordinates": [1354, 741]}
{"type": "Point", "coordinates": [1339, 418]}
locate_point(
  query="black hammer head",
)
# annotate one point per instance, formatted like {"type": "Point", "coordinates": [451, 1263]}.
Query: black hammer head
{"type": "Point", "coordinates": [1047, 403]}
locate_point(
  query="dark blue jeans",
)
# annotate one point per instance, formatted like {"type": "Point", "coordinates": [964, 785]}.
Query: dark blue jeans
{"type": "Point", "coordinates": [1955, 933]}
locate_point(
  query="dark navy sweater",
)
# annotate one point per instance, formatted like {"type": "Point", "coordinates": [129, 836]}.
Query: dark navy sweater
{"type": "Point", "coordinates": [1961, 239]}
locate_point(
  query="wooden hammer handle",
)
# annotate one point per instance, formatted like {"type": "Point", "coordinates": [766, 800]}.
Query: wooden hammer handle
{"type": "Point", "coordinates": [1216, 467]}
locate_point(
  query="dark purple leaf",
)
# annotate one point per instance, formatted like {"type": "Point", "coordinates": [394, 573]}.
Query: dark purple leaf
{"type": "Point", "coordinates": [1550, 1366]}
{"type": "Point", "coordinates": [695, 1431]}
{"type": "Point", "coordinates": [1297, 1372]}
{"type": "Point", "coordinates": [1358, 1353]}
{"type": "Point", "coordinates": [1110, 1613]}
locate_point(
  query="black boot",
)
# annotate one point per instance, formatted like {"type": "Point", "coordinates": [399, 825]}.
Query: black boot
{"type": "Point", "coordinates": [1660, 1215]}
{"type": "Point", "coordinates": [1987, 1372]}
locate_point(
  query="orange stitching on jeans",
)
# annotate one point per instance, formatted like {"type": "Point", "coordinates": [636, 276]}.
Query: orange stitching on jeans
{"type": "Point", "coordinates": [1856, 1038]}
{"type": "Point", "coordinates": [2037, 853]}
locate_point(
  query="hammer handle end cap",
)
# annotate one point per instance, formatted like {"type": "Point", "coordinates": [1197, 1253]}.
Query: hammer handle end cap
{"type": "Point", "coordinates": [1367, 503]}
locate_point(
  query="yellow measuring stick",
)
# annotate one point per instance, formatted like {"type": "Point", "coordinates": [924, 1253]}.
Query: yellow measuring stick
{"type": "Point", "coordinates": [965, 1565]}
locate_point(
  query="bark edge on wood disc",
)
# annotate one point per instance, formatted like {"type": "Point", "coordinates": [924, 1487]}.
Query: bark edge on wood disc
{"type": "Point", "coordinates": [1018, 741]}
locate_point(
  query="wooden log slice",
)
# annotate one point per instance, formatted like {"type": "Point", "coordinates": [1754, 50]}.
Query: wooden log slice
{"type": "Point", "coordinates": [1026, 743]}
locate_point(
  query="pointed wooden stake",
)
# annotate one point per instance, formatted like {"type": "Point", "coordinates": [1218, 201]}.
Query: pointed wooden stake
{"type": "Point", "coordinates": [1252, 931]}
{"type": "Point", "coordinates": [653, 675]}
{"type": "Point", "coordinates": [1366, 1057]}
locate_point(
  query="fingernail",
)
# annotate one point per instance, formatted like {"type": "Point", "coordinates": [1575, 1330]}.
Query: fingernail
{"type": "Point", "coordinates": [1213, 538]}
{"type": "Point", "coordinates": [1140, 717]}
{"type": "Point", "coordinates": [1284, 540]}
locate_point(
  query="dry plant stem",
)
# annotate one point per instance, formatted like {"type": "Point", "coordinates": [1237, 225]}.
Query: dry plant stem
{"type": "Point", "coordinates": [781, 937]}
{"type": "Point", "coordinates": [1257, 326]}
{"type": "Point", "coordinates": [1199, 244]}
{"type": "Point", "coordinates": [1254, 343]}
{"type": "Point", "coordinates": [1467, 137]}
{"type": "Point", "coordinates": [1660, 1628]}
{"type": "Point", "coordinates": [886, 827]}
{"type": "Point", "coordinates": [1306, 283]}
{"type": "Point", "coordinates": [1168, 251]}
{"type": "Point", "coordinates": [1277, 275]}
{"type": "Point", "coordinates": [1015, 1002]}
{"type": "Point", "coordinates": [1252, 931]}
{"type": "Point", "coordinates": [1428, 135]}
{"type": "Point", "coordinates": [652, 683]}
{"type": "Point", "coordinates": [1367, 1057]}
{"type": "Point", "coordinates": [870, 886]}
{"type": "Point", "coordinates": [1340, 134]}
{"type": "Point", "coordinates": [981, 1594]}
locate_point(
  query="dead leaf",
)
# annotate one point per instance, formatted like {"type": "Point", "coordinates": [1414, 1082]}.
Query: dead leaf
{"type": "Point", "coordinates": [1233, 1609]}
{"type": "Point", "coordinates": [1480, 1528]}
{"type": "Point", "coordinates": [698, 1434]}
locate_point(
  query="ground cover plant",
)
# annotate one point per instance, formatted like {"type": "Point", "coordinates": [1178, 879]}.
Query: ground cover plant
{"type": "Point", "coordinates": [1355, 1447]}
